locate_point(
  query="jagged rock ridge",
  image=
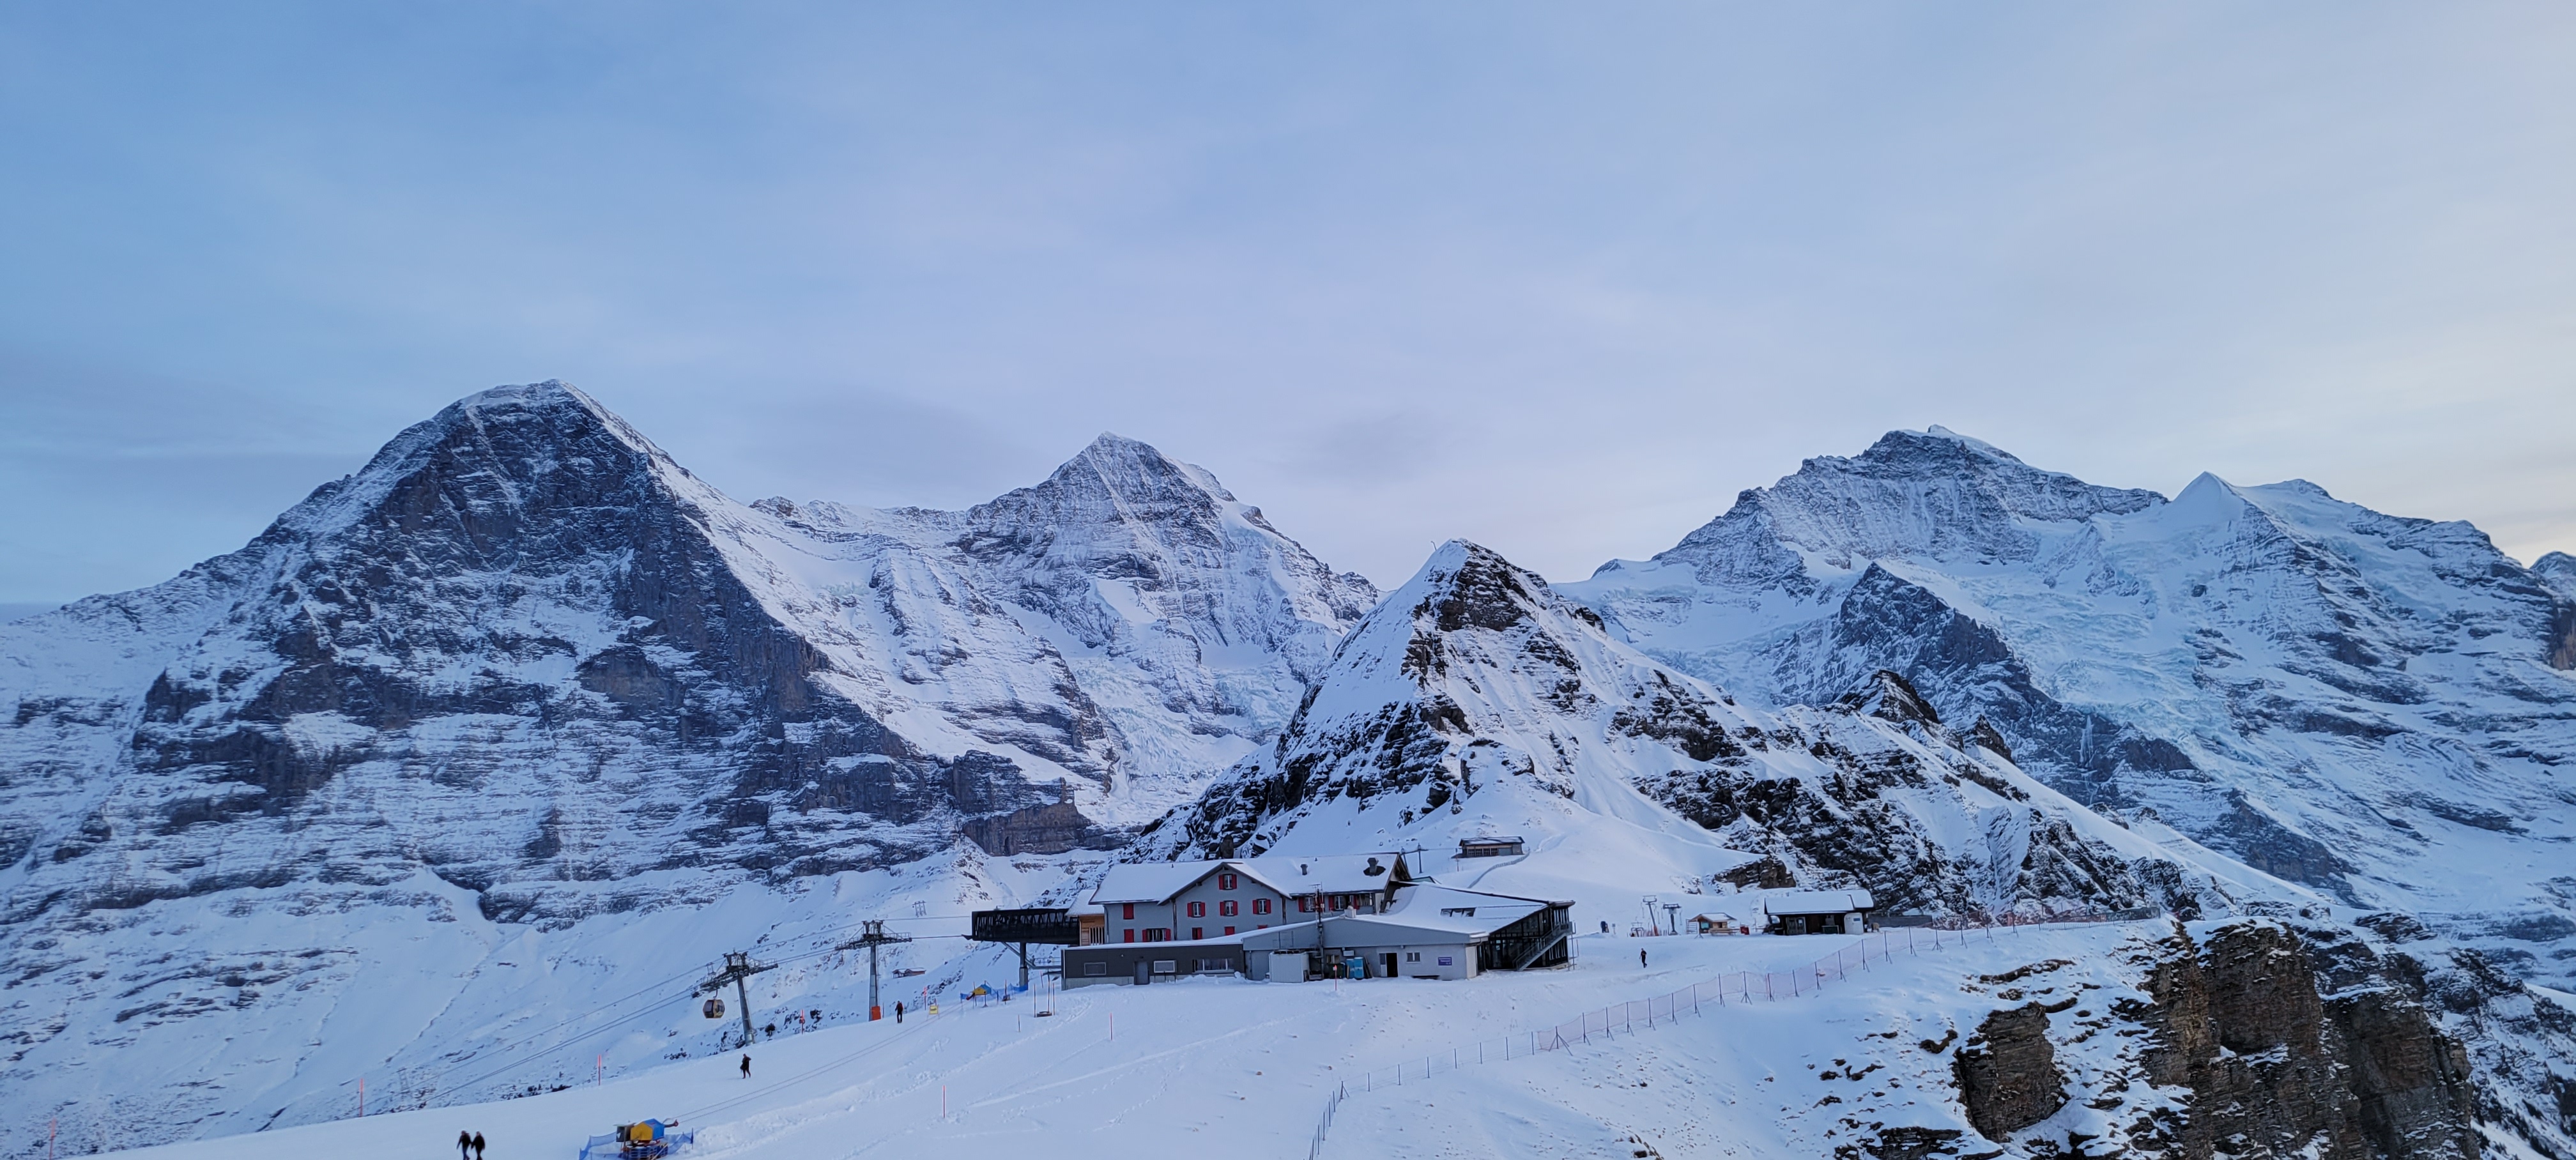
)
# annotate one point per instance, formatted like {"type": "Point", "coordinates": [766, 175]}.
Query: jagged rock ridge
{"type": "Point", "coordinates": [1477, 698]}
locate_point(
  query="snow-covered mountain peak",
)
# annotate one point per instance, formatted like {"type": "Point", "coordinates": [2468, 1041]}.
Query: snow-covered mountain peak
{"type": "Point", "coordinates": [1475, 699]}
{"type": "Point", "coordinates": [522, 675]}
{"type": "Point", "coordinates": [2558, 570]}
{"type": "Point", "coordinates": [1913, 494]}
{"type": "Point", "coordinates": [2338, 697]}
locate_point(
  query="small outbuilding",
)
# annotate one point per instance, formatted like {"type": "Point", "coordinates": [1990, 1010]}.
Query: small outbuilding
{"type": "Point", "coordinates": [1817, 912]}
{"type": "Point", "coordinates": [1489, 847]}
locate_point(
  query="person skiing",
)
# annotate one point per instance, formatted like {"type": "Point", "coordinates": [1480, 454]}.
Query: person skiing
{"type": "Point", "coordinates": [1641, 956]}
{"type": "Point", "coordinates": [464, 1144]}
{"type": "Point", "coordinates": [746, 1067]}
{"type": "Point", "coordinates": [478, 1146]}
{"type": "Point", "coordinates": [898, 1010]}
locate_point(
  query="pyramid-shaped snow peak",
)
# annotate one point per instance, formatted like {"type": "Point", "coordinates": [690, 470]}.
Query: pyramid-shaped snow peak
{"type": "Point", "coordinates": [1478, 700]}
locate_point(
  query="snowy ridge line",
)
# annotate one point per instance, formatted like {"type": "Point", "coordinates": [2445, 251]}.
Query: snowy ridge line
{"type": "Point", "coordinates": [1797, 983]}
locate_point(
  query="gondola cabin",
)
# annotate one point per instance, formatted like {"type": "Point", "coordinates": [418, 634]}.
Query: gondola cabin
{"type": "Point", "coordinates": [714, 1008]}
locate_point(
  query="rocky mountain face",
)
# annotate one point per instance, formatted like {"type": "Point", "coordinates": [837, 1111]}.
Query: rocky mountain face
{"type": "Point", "coordinates": [2247, 1037]}
{"type": "Point", "coordinates": [2376, 708]}
{"type": "Point", "coordinates": [1477, 699]}
{"type": "Point", "coordinates": [524, 669]}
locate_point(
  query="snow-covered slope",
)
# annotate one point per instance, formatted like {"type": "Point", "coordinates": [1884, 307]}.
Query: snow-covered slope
{"type": "Point", "coordinates": [523, 680]}
{"type": "Point", "coordinates": [2373, 706]}
{"type": "Point", "coordinates": [2136, 1039]}
{"type": "Point", "coordinates": [1476, 700]}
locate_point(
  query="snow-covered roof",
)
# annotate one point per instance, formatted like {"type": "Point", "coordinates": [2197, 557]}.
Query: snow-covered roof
{"type": "Point", "coordinates": [1331, 873]}
{"type": "Point", "coordinates": [1450, 907]}
{"type": "Point", "coordinates": [1817, 902]}
{"type": "Point", "coordinates": [1150, 881]}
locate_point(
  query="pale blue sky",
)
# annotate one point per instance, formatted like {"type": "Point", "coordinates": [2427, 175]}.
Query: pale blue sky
{"type": "Point", "coordinates": [1559, 278]}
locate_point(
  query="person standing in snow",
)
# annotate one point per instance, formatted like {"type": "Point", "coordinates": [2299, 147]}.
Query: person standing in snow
{"type": "Point", "coordinates": [478, 1146]}
{"type": "Point", "coordinates": [898, 1011]}
{"type": "Point", "coordinates": [464, 1144]}
{"type": "Point", "coordinates": [746, 1067]}
{"type": "Point", "coordinates": [1641, 956]}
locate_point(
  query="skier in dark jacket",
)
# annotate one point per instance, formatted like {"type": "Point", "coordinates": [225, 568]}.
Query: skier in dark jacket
{"type": "Point", "coordinates": [746, 1067]}
{"type": "Point", "coordinates": [478, 1146]}
{"type": "Point", "coordinates": [898, 1012]}
{"type": "Point", "coordinates": [1641, 956]}
{"type": "Point", "coordinates": [464, 1144]}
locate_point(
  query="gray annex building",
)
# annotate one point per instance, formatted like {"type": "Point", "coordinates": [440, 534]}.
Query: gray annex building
{"type": "Point", "coordinates": [1289, 919]}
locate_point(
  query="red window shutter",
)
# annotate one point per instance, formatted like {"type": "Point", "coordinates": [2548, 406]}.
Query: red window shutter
{"type": "Point", "coordinates": [1229, 930]}
{"type": "Point", "coordinates": [1197, 933]}
{"type": "Point", "coordinates": [1131, 935]}
{"type": "Point", "coordinates": [1127, 910]}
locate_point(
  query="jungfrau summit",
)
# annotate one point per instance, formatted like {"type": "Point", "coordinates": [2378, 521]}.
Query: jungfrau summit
{"type": "Point", "coordinates": [524, 717]}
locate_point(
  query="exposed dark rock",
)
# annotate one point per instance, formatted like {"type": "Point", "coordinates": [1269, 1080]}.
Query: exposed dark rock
{"type": "Point", "coordinates": [2292, 1047]}
{"type": "Point", "coordinates": [2007, 1073]}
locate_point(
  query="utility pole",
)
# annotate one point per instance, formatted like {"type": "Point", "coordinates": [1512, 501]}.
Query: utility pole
{"type": "Point", "coordinates": [872, 934]}
{"type": "Point", "coordinates": [738, 967]}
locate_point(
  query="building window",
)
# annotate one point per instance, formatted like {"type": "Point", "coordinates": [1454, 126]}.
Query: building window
{"type": "Point", "coordinates": [1261, 906]}
{"type": "Point", "coordinates": [1444, 960]}
{"type": "Point", "coordinates": [1229, 930]}
{"type": "Point", "coordinates": [1225, 881]}
{"type": "Point", "coordinates": [1198, 910]}
{"type": "Point", "coordinates": [1095, 970]}
{"type": "Point", "coordinates": [1131, 935]}
{"type": "Point", "coordinates": [1197, 933]}
{"type": "Point", "coordinates": [1341, 902]}
{"type": "Point", "coordinates": [1127, 910]}
{"type": "Point", "coordinates": [1229, 908]}
{"type": "Point", "coordinates": [1413, 956]}
{"type": "Point", "coordinates": [1305, 906]}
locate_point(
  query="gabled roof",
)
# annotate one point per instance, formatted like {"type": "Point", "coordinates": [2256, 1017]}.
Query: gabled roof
{"type": "Point", "coordinates": [1331, 873]}
{"type": "Point", "coordinates": [1817, 902]}
{"type": "Point", "coordinates": [1157, 882]}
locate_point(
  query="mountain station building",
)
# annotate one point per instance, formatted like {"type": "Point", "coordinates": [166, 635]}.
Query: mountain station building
{"type": "Point", "coordinates": [1817, 912]}
{"type": "Point", "coordinates": [1152, 902]}
{"type": "Point", "coordinates": [1358, 924]}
